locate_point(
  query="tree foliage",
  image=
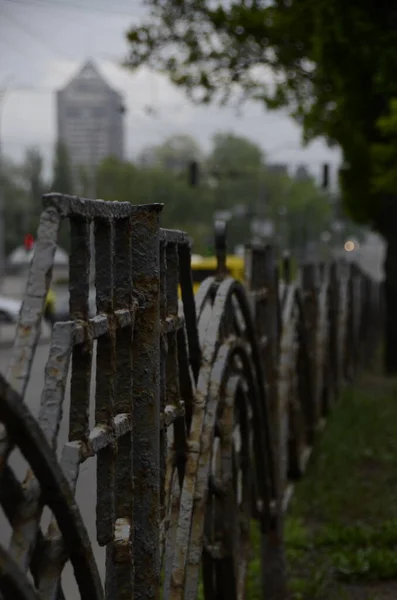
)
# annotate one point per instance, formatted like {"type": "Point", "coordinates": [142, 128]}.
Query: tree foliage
{"type": "Point", "coordinates": [233, 174]}
{"type": "Point", "coordinates": [62, 171]}
{"type": "Point", "coordinates": [33, 171]}
{"type": "Point", "coordinates": [173, 154]}
{"type": "Point", "coordinates": [333, 64]}
{"type": "Point", "coordinates": [384, 153]}
{"type": "Point", "coordinates": [232, 154]}
{"type": "Point", "coordinates": [16, 200]}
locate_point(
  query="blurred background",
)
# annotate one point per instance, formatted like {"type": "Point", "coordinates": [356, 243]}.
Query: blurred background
{"type": "Point", "coordinates": [74, 120]}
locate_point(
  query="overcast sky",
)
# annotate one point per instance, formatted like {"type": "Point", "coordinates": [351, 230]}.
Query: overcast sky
{"type": "Point", "coordinates": [44, 42]}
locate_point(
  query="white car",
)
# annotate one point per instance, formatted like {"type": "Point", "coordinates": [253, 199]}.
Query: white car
{"type": "Point", "coordinates": [9, 310]}
{"type": "Point", "coordinates": [9, 316]}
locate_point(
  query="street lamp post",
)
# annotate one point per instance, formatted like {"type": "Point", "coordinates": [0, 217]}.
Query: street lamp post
{"type": "Point", "coordinates": [3, 92]}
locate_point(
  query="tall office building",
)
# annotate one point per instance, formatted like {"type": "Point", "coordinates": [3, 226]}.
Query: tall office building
{"type": "Point", "coordinates": [90, 121]}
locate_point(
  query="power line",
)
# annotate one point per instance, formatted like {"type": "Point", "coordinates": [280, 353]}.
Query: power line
{"type": "Point", "coordinates": [23, 27]}
{"type": "Point", "coordinates": [33, 35]}
{"type": "Point", "coordinates": [32, 89]}
{"type": "Point", "coordinates": [67, 6]}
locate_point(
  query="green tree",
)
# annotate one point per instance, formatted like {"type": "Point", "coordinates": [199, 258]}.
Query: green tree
{"type": "Point", "coordinates": [116, 180]}
{"type": "Point", "coordinates": [334, 66]}
{"type": "Point", "coordinates": [33, 170]}
{"type": "Point", "coordinates": [62, 171]}
{"type": "Point", "coordinates": [84, 181]}
{"type": "Point", "coordinates": [32, 173]}
{"type": "Point", "coordinates": [232, 155]}
{"type": "Point", "coordinates": [384, 153]}
{"type": "Point", "coordinates": [244, 180]}
{"type": "Point", "coordinates": [16, 203]}
{"type": "Point", "coordinates": [173, 154]}
{"type": "Point", "coordinates": [186, 208]}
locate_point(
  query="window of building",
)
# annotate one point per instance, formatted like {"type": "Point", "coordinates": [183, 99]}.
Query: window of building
{"type": "Point", "coordinates": [98, 111]}
{"type": "Point", "coordinates": [84, 87]}
{"type": "Point", "coordinates": [73, 112]}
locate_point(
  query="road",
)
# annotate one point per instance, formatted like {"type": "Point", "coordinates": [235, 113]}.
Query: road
{"type": "Point", "coordinates": [370, 257]}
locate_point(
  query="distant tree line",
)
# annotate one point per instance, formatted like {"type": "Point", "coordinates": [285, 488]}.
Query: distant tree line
{"type": "Point", "coordinates": [234, 176]}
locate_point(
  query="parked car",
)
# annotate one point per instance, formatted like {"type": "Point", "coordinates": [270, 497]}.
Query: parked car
{"type": "Point", "coordinates": [9, 310]}
{"type": "Point", "coordinates": [9, 316]}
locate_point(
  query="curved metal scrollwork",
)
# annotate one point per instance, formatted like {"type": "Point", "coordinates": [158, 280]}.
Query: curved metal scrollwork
{"type": "Point", "coordinates": [204, 412]}
{"type": "Point", "coordinates": [26, 433]}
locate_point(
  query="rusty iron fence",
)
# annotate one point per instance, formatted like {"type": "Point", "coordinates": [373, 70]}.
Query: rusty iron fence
{"type": "Point", "coordinates": [205, 408]}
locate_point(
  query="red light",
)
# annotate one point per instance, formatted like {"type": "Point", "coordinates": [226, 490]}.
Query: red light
{"type": "Point", "coordinates": [28, 242]}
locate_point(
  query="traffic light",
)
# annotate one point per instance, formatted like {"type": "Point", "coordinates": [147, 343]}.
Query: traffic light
{"type": "Point", "coordinates": [193, 173]}
{"type": "Point", "coordinates": [325, 176]}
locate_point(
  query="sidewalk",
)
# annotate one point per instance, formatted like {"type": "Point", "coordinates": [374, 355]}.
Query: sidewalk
{"type": "Point", "coordinates": [341, 531]}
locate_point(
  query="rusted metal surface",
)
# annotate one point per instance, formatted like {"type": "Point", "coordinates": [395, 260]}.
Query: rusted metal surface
{"type": "Point", "coordinates": [204, 414]}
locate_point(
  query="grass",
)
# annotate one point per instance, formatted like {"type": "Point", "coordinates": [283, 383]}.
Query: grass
{"type": "Point", "coordinates": [341, 529]}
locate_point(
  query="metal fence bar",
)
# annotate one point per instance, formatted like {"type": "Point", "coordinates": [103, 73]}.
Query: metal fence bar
{"type": "Point", "coordinates": [310, 306]}
{"type": "Point", "coordinates": [79, 271]}
{"type": "Point", "coordinates": [122, 545]}
{"type": "Point", "coordinates": [146, 403]}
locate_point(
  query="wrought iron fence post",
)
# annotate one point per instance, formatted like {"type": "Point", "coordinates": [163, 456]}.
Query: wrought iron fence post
{"type": "Point", "coordinates": [310, 299]}
{"type": "Point", "coordinates": [334, 317]}
{"type": "Point", "coordinates": [353, 321]}
{"type": "Point", "coordinates": [146, 404]}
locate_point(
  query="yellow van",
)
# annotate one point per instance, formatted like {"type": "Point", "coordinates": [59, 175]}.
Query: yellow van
{"type": "Point", "coordinates": [203, 267]}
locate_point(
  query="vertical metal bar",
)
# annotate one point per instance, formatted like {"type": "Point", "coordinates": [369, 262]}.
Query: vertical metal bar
{"type": "Point", "coordinates": [334, 317]}
{"type": "Point", "coordinates": [120, 580]}
{"type": "Point", "coordinates": [3, 94]}
{"type": "Point", "coordinates": [105, 379]}
{"type": "Point", "coordinates": [287, 267]}
{"type": "Point", "coordinates": [173, 391]}
{"type": "Point", "coordinates": [172, 280]}
{"type": "Point", "coordinates": [349, 362]}
{"type": "Point", "coordinates": [176, 436]}
{"type": "Point", "coordinates": [278, 410]}
{"type": "Point", "coordinates": [272, 548]}
{"type": "Point", "coordinates": [163, 375]}
{"type": "Point", "coordinates": [260, 271]}
{"type": "Point", "coordinates": [186, 379]}
{"type": "Point", "coordinates": [357, 287]}
{"type": "Point", "coordinates": [309, 286]}
{"type": "Point", "coordinates": [189, 307]}
{"type": "Point", "coordinates": [249, 272]}
{"type": "Point", "coordinates": [79, 269]}
{"type": "Point", "coordinates": [220, 230]}
{"type": "Point", "coordinates": [146, 398]}
{"type": "Point", "coordinates": [268, 280]}
{"type": "Point", "coordinates": [248, 260]}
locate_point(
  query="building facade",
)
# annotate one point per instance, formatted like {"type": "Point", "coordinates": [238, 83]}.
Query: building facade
{"type": "Point", "coordinates": [90, 122]}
